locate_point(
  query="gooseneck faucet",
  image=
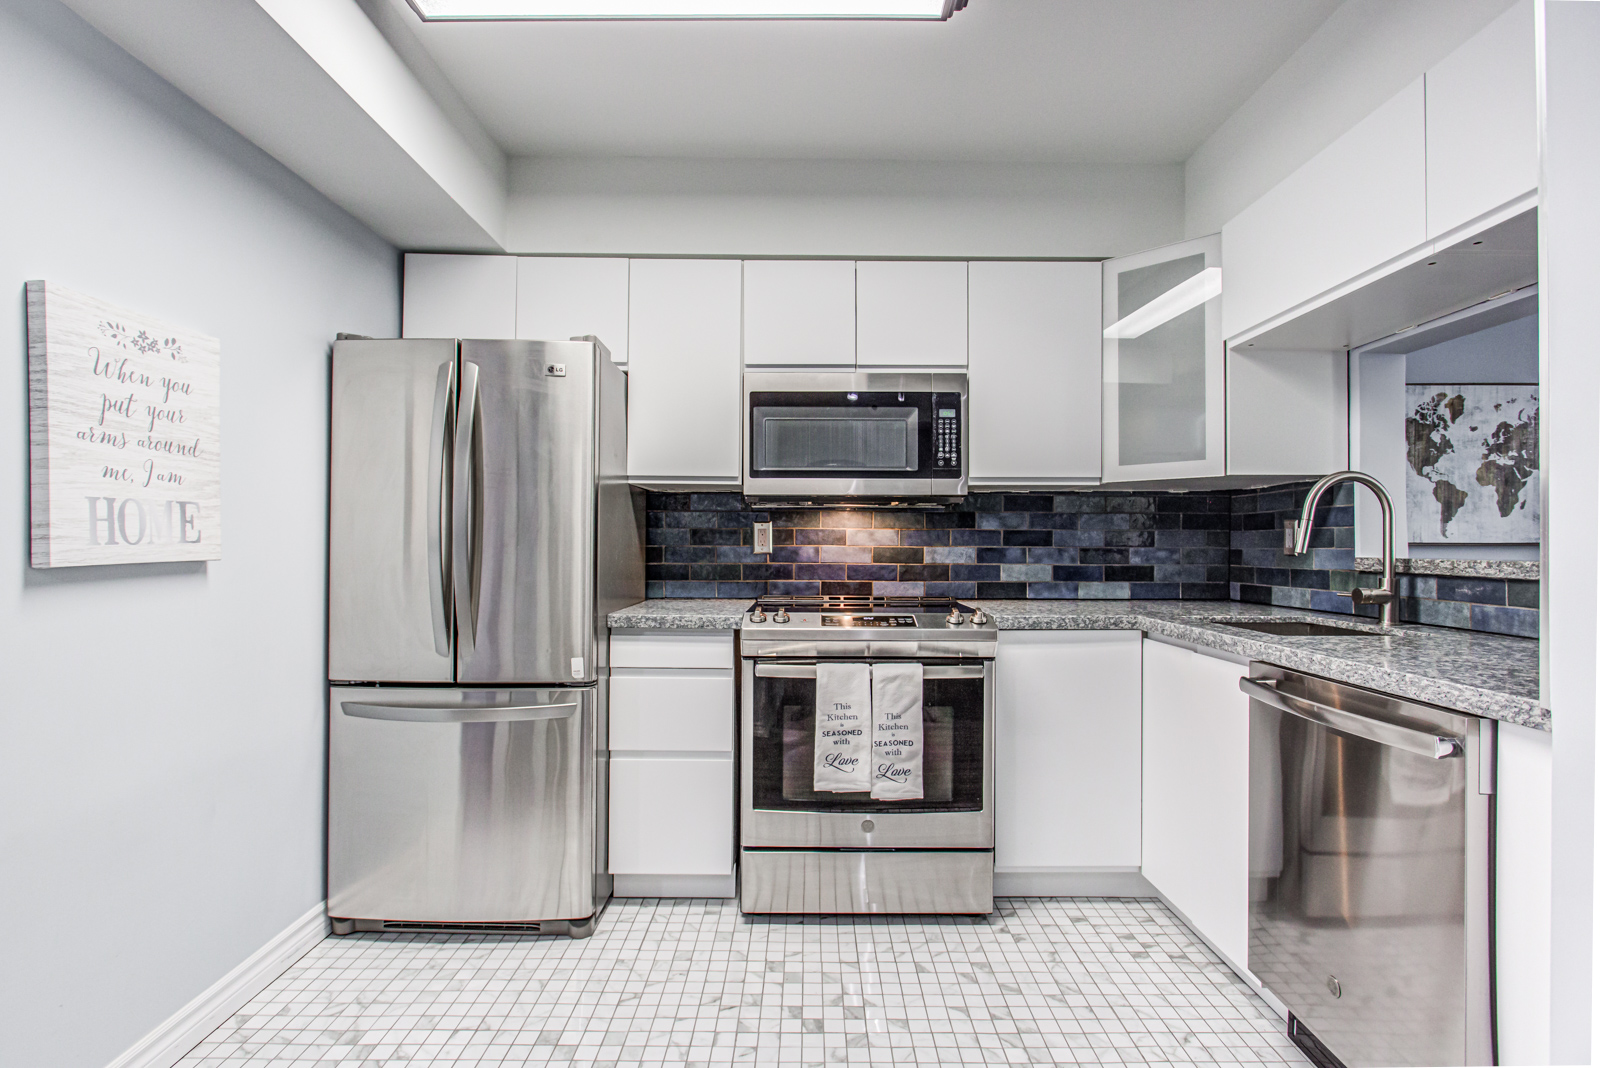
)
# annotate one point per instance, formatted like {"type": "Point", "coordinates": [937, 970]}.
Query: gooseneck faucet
{"type": "Point", "coordinates": [1297, 538]}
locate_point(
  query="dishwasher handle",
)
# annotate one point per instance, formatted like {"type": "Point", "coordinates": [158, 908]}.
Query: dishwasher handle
{"type": "Point", "coordinates": [1423, 743]}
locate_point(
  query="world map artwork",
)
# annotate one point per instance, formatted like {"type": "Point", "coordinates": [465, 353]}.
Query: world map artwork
{"type": "Point", "coordinates": [1472, 463]}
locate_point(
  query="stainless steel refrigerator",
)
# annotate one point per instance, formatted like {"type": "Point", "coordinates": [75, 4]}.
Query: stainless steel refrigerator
{"type": "Point", "coordinates": [480, 529]}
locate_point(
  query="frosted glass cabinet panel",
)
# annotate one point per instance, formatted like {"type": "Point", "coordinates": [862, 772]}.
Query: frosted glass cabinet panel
{"type": "Point", "coordinates": [1162, 406]}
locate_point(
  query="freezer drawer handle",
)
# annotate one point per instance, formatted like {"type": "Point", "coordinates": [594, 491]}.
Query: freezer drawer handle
{"type": "Point", "coordinates": [809, 671]}
{"type": "Point", "coordinates": [1434, 746]}
{"type": "Point", "coordinates": [458, 713]}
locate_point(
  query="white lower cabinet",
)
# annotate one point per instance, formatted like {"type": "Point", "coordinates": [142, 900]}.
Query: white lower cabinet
{"type": "Point", "coordinates": [673, 794]}
{"type": "Point", "coordinates": [1066, 790]}
{"type": "Point", "coordinates": [1197, 792]}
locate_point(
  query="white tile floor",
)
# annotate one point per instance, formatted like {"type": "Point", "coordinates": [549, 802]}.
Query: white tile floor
{"type": "Point", "coordinates": [1041, 981]}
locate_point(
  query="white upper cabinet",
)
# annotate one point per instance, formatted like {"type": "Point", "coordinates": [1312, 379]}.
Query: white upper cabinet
{"type": "Point", "coordinates": [800, 313]}
{"type": "Point", "coordinates": [1357, 204]}
{"type": "Point", "coordinates": [1288, 413]}
{"type": "Point", "coordinates": [911, 313]}
{"type": "Point", "coordinates": [459, 296]}
{"type": "Point", "coordinates": [1483, 141]}
{"type": "Point", "coordinates": [561, 297]}
{"type": "Point", "coordinates": [1033, 366]}
{"type": "Point", "coordinates": [1162, 405]}
{"type": "Point", "coordinates": [683, 372]}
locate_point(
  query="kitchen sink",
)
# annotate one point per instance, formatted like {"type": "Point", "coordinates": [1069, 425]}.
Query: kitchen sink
{"type": "Point", "coordinates": [1297, 628]}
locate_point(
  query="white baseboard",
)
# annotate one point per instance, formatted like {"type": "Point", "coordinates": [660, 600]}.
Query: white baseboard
{"type": "Point", "coordinates": [675, 885]}
{"type": "Point", "coordinates": [1070, 883]}
{"type": "Point", "coordinates": [183, 1030]}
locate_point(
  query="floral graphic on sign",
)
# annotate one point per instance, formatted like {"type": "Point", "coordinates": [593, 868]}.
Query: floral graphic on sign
{"type": "Point", "coordinates": [142, 341]}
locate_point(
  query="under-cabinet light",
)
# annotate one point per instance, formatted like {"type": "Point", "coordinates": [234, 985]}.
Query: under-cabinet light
{"type": "Point", "coordinates": [602, 10]}
{"type": "Point", "coordinates": [1190, 293]}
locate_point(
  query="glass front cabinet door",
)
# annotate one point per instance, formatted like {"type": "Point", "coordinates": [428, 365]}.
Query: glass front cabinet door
{"type": "Point", "coordinates": [1162, 363]}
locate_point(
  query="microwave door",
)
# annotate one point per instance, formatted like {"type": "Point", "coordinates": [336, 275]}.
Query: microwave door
{"type": "Point", "coordinates": [525, 512]}
{"type": "Point", "coordinates": [389, 612]}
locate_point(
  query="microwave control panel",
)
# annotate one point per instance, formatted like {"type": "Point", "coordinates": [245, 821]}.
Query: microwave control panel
{"type": "Point", "coordinates": [946, 433]}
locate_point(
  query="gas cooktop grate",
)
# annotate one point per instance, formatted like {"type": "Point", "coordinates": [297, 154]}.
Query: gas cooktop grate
{"type": "Point", "coordinates": [858, 605]}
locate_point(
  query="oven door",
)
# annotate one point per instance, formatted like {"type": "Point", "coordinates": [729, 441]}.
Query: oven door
{"type": "Point", "coordinates": [779, 809]}
{"type": "Point", "coordinates": [854, 434]}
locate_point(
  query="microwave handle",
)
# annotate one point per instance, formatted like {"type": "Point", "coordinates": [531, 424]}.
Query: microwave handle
{"type": "Point", "coordinates": [929, 671]}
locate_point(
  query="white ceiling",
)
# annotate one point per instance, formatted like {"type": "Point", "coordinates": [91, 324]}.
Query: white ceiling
{"type": "Point", "coordinates": [1088, 81]}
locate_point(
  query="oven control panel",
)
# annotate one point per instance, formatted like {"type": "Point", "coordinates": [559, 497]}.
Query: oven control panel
{"type": "Point", "coordinates": [946, 434]}
{"type": "Point", "coordinates": [869, 621]}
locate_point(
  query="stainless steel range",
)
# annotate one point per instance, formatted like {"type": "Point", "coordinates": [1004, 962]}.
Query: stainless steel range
{"type": "Point", "coordinates": [815, 846]}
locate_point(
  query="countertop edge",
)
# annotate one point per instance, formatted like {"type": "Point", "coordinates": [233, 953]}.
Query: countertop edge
{"type": "Point", "coordinates": [725, 614]}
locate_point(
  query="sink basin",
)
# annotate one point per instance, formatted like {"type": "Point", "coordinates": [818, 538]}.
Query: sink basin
{"type": "Point", "coordinates": [1297, 628]}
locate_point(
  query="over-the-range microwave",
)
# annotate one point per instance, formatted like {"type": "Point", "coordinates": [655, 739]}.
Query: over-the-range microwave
{"type": "Point", "coordinates": [855, 435]}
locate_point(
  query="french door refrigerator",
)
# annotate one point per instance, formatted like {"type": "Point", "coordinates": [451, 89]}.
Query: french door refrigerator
{"type": "Point", "coordinates": [480, 529]}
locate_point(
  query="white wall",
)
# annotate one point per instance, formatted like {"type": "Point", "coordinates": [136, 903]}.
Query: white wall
{"type": "Point", "coordinates": [838, 208]}
{"type": "Point", "coordinates": [161, 726]}
{"type": "Point", "coordinates": [1508, 352]}
{"type": "Point", "coordinates": [1365, 53]}
{"type": "Point", "coordinates": [1569, 275]}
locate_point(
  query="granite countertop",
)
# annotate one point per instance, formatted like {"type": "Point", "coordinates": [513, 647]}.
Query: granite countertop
{"type": "Point", "coordinates": [1485, 674]}
{"type": "Point", "coordinates": [1526, 570]}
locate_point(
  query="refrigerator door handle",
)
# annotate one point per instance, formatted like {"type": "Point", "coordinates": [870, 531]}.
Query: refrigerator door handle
{"type": "Point", "coordinates": [439, 509]}
{"type": "Point", "coordinates": [457, 713]}
{"type": "Point", "coordinates": [468, 509]}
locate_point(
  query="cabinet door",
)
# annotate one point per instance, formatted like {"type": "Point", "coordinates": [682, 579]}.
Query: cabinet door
{"type": "Point", "coordinates": [800, 313]}
{"type": "Point", "coordinates": [1522, 894]}
{"type": "Point", "coordinates": [1288, 413]}
{"type": "Point", "coordinates": [683, 371]}
{"type": "Point", "coordinates": [1033, 365]}
{"type": "Point", "coordinates": [1162, 408]}
{"type": "Point", "coordinates": [1357, 204]}
{"type": "Point", "coordinates": [911, 314]}
{"type": "Point", "coordinates": [1066, 750]}
{"type": "Point", "coordinates": [561, 297]}
{"type": "Point", "coordinates": [459, 296]}
{"type": "Point", "coordinates": [1197, 792]}
{"type": "Point", "coordinates": [1483, 125]}
{"type": "Point", "coordinates": [672, 815]}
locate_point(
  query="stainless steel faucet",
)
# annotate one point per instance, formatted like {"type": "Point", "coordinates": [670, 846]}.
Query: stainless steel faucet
{"type": "Point", "coordinates": [1297, 538]}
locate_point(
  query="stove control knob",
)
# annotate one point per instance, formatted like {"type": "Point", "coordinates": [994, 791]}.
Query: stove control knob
{"type": "Point", "coordinates": [757, 615]}
{"type": "Point", "coordinates": [954, 619]}
{"type": "Point", "coordinates": [781, 616]}
{"type": "Point", "coordinates": [868, 826]}
{"type": "Point", "coordinates": [979, 617]}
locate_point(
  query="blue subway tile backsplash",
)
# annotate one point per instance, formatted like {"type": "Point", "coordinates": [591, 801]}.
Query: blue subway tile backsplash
{"type": "Point", "coordinates": [1088, 545]}
{"type": "Point", "coordinates": [996, 545]}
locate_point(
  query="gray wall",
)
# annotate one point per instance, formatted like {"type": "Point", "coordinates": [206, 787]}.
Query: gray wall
{"type": "Point", "coordinates": [161, 726]}
{"type": "Point", "coordinates": [1506, 353]}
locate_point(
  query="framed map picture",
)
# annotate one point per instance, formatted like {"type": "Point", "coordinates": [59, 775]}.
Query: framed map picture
{"type": "Point", "coordinates": [1472, 463]}
{"type": "Point", "coordinates": [124, 435]}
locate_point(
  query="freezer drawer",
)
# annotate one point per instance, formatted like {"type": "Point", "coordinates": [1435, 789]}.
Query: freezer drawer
{"type": "Point", "coordinates": [464, 806]}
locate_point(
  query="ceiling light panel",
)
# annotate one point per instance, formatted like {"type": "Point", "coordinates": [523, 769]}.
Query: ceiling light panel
{"type": "Point", "coordinates": [603, 10]}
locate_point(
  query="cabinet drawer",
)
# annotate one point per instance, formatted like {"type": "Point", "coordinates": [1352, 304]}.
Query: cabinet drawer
{"type": "Point", "coordinates": [672, 816]}
{"type": "Point", "coordinates": [670, 712]}
{"type": "Point", "coordinates": [681, 649]}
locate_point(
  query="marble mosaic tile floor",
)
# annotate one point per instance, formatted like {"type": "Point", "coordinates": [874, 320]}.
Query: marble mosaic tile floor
{"type": "Point", "coordinates": [1041, 981]}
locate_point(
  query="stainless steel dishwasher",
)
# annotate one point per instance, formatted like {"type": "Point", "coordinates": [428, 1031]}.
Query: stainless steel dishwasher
{"type": "Point", "coordinates": [1370, 871]}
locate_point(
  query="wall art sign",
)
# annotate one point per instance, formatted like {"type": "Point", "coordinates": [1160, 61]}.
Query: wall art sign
{"type": "Point", "coordinates": [124, 435]}
{"type": "Point", "coordinates": [1472, 463]}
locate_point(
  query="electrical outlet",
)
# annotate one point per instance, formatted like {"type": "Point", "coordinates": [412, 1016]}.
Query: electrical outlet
{"type": "Point", "coordinates": [763, 538]}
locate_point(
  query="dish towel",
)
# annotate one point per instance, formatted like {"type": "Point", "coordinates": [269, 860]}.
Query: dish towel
{"type": "Point", "coordinates": [897, 732]}
{"type": "Point", "coordinates": [844, 718]}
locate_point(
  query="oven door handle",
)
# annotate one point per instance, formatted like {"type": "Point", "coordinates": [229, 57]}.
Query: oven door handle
{"type": "Point", "coordinates": [809, 671]}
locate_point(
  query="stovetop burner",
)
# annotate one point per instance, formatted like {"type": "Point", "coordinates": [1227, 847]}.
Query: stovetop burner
{"type": "Point", "coordinates": [834, 617]}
